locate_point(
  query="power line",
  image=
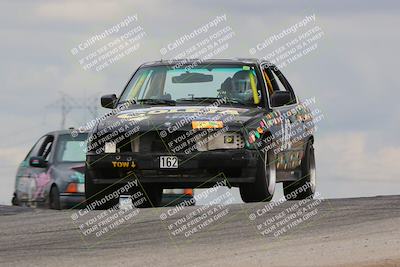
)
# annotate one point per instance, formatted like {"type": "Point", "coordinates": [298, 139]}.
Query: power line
{"type": "Point", "coordinates": [67, 103]}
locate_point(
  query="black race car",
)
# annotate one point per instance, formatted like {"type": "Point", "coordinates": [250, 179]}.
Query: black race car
{"type": "Point", "coordinates": [192, 123]}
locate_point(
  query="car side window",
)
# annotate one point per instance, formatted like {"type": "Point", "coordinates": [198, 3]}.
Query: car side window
{"type": "Point", "coordinates": [36, 147]}
{"type": "Point", "coordinates": [45, 148]}
{"type": "Point", "coordinates": [278, 82]}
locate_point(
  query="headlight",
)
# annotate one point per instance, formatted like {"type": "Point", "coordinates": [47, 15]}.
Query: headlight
{"type": "Point", "coordinates": [110, 147]}
{"type": "Point", "coordinates": [217, 140]}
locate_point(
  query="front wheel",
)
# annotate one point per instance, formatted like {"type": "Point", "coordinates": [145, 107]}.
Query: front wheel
{"type": "Point", "coordinates": [152, 196]}
{"type": "Point", "coordinates": [305, 186]}
{"type": "Point", "coordinates": [264, 187]}
{"type": "Point", "coordinates": [100, 196]}
{"type": "Point", "coordinates": [54, 201]}
{"type": "Point", "coordinates": [14, 200]}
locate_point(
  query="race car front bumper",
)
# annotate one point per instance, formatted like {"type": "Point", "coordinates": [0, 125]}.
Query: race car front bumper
{"type": "Point", "coordinates": [200, 169]}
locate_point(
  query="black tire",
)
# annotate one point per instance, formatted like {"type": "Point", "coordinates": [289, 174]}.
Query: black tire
{"type": "Point", "coordinates": [54, 198]}
{"type": "Point", "coordinates": [14, 200]}
{"type": "Point", "coordinates": [263, 188]}
{"type": "Point", "coordinates": [96, 195]}
{"type": "Point", "coordinates": [153, 195]}
{"type": "Point", "coordinates": [305, 186]}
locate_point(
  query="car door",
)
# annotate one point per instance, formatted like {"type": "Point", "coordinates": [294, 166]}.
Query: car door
{"type": "Point", "coordinates": [31, 180]}
{"type": "Point", "coordinates": [24, 183]}
{"type": "Point", "coordinates": [290, 145]}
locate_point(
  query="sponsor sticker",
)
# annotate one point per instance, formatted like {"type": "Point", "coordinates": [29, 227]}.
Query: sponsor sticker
{"type": "Point", "coordinates": [207, 124]}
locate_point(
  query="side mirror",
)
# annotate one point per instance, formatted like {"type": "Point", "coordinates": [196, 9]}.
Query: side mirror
{"type": "Point", "coordinates": [281, 98]}
{"type": "Point", "coordinates": [38, 162]}
{"type": "Point", "coordinates": [108, 101]}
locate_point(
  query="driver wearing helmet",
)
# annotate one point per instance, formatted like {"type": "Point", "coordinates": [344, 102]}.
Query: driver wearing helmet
{"type": "Point", "coordinates": [239, 86]}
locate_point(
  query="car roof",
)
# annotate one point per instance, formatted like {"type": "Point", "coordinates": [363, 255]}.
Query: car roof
{"type": "Point", "coordinates": [61, 132]}
{"type": "Point", "coordinates": [168, 62]}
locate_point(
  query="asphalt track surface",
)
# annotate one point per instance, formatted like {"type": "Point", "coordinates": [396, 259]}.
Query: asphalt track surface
{"type": "Point", "coordinates": [340, 232]}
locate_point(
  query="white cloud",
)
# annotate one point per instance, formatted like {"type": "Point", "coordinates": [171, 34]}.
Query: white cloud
{"type": "Point", "coordinates": [12, 155]}
{"type": "Point", "coordinates": [82, 11]}
{"type": "Point", "coordinates": [348, 156]}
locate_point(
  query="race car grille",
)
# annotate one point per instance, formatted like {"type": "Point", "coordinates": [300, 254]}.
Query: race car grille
{"type": "Point", "coordinates": [145, 142]}
{"type": "Point", "coordinates": [175, 142]}
{"type": "Point", "coordinates": [184, 142]}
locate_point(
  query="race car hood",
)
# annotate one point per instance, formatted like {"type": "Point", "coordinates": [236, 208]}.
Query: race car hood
{"type": "Point", "coordinates": [167, 117]}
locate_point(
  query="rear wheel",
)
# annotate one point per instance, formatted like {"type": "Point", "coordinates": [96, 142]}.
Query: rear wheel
{"type": "Point", "coordinates": [54, 199]}
{"type": "Point", "coordinates": [305, 186]}
{"type": "Point", "coordinates": [264, 187]}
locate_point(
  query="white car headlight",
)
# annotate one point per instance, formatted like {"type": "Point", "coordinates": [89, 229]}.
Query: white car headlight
{"type": "Point", "coordinates": [217, 140]}
{"type": "Point", "coordinates": [110, 147]}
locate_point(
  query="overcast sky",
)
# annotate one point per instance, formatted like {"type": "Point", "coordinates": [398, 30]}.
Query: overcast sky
{"type": "Point", "coordinates": [353, 73]}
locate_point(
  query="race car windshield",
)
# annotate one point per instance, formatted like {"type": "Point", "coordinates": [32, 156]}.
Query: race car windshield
{"type": "Point", "coordinates": [71, 149]}
{"type": "Point", "coordinates": [236, 84]}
